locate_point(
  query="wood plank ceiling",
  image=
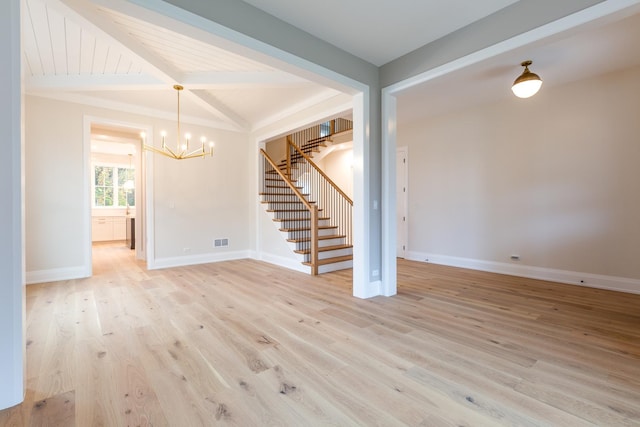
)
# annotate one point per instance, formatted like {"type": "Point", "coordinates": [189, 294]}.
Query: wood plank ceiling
{"type": "Point", "coordinates": [79, 51]}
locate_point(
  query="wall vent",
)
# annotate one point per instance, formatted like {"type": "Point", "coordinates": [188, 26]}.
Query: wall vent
{"type": "Point", "coordinates": [220, 243]}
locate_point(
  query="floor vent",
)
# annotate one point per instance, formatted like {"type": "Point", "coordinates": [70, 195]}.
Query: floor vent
{"type": "Point", "coordinates": [220, 243]}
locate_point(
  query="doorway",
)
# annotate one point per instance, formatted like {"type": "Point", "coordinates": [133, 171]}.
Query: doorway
{"type": "Point", "coordinates": [115, 171]}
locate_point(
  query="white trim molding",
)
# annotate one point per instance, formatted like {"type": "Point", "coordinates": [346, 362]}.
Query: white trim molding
{"type": "Point", "coordinates": [291, 264]}
{"type": "Point", "coordinates": [182, 261]}
{"type": "Point", "coordinates": [56, 274]}
{"type": "Point", "coordinates": [609, 283]}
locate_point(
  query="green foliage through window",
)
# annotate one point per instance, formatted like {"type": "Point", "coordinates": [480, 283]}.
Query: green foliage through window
{"type": "Point", "coordinates": [110, 189]}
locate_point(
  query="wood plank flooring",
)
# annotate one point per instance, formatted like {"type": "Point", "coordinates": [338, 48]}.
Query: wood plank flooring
{"type": "Point", "coordinates": [246, 343]}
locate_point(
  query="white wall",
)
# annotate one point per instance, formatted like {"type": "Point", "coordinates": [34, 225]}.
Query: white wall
{"type": "Point", "coordinates": [553, 179]}
{"type": "Point", "coordinates": [196, 200]}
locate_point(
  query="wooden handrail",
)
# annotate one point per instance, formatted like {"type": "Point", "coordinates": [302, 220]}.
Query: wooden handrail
{"type": "Point", "coordinates": [324, 175]}
{"type": "Point", "coordinates": [313, 212]}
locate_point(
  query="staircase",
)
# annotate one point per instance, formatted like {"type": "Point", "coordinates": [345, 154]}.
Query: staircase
{"type": "Point", "coordinates": [311, 212]}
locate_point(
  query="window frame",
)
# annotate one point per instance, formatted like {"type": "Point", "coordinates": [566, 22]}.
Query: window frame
{"type": "Point", "coordinates": [116, 188]}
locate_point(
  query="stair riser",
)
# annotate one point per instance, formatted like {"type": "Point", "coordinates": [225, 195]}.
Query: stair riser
{"type": "Point", "coordinates": [303, 234]}
{"type": "Point", "coordinates": [335, 253]}
{"type": "Point", "coordinates": [284, 206]}
{"type": "Point", "coordinates": [322, 243]}
{"type": "Point", "coordinates": [281, 198]}
{"type": "Point", "coordinates": [300, 223]}
{"type": "Point", "coordinates": [275, 188]}
{"type": "Point", "coordinates": [288, 214]}
{"type": "Point", "coordinates": [329, 254]}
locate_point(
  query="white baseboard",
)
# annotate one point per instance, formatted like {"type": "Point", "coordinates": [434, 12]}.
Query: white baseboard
{"type": "Point", "coordinates": [291, 264]}
{"type": "Point", "coordinates": [182, 261]}
{"type": "Point", "coordinates": [56, 274]}
{"type": "Point", "coordinates": [611, 283]}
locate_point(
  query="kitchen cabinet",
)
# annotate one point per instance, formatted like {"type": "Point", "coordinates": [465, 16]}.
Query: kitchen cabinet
{"type": "Point", "coordinates": [106, 228]}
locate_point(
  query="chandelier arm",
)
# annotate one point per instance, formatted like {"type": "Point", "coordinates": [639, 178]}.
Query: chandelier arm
{"type": "Point", "coordinates": [171, 153]}
{"type": "Point", "coordinates": [167, 152]}
{"type": "Point", "coordinates": [153, 149]}
{"type": "Point", "coordinates": [182, 150]}
{"type": "Point", "coordinates": [196, 153]}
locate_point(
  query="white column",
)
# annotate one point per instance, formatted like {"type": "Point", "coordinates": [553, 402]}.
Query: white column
{"type": "Point", "coordinates": [12, 297]}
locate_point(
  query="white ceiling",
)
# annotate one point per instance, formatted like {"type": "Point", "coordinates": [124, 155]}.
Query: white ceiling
{"type": "Point", "coordinates": [127, 58]}
{"type": "Point", "coordinates": [601, 47]}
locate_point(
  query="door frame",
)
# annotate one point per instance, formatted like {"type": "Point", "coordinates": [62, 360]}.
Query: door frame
{"type": "Point", "coordinates": [144, 192]}
{"type": "Point", "coordinates": [403, 235]}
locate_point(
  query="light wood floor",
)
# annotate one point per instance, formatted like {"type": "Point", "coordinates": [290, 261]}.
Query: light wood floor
{"type": "Point", "coordinates": [248, 344]}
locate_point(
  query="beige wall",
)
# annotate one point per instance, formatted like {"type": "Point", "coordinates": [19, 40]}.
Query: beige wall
{"type": "Point", "coordinates": [338, 165]}
{"type": "Point", "coordinates": [195, 200]}
{"type": "Point", "coordinates": [277, 149]}
{"type": "Point", "coordinates": [554, 179]}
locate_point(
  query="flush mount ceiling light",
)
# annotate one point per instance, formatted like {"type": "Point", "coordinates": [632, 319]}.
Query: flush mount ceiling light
{"type": "Point", "coordinates": [182, 148]}
{"type": "Point", "coordinates": [527, 84]}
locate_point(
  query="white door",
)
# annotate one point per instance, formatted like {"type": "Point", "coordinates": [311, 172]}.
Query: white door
{"type": "Point", "coordinates": [401, 201]}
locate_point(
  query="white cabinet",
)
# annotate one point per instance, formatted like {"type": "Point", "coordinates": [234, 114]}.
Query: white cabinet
{"type": "Point", "coordinates": [105, 228]}
{"type": "Point", "coordinates": [119, 228]}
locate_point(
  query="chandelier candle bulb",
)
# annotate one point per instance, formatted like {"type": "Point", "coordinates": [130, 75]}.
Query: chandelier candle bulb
{"type": "Point", "coordinates": [182, 147]}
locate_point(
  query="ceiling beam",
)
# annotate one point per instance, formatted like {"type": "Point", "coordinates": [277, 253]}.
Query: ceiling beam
{"type": "Point", "coordinates": [206, 100]}
{"type": "Point", "coordinates": [106, 27]}
{"type": "Point", "coordinates": [93, 82]}
{"type": "Point", "coordinates": [192, 81]}
{"type": "Point", "coordinates": [214, 79]}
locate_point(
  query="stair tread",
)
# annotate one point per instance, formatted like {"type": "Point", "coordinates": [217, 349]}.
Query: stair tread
{"type": "Point", "coordinates": [284, 201]}
{"type": "Point", "coordinates": [332, 260]}
{"type": "Point", "coordinates": [298, 219]}
{"type": "Point", "coordinates": [320, 227]}
{"type": "Point", "coordinates": [325, 249]}
{"type": "Point", "coordinates": [290, 210]}
{"type": "Point", "coordinates": [306, 239]}
{"type": "Point", "coordinates": [279, 179]}
{"type": "Point", "coordinates": [279, 194]}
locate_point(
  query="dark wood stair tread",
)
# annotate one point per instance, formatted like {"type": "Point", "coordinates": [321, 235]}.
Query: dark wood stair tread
{"type": "Point", "coordinates": [320, 227]}
{"type": "Point", "coordinates": [298, 219]}
{"type": "Point", "coordinates": [290, 210]}
{"type": "Point", "coordinates": [281, 194]}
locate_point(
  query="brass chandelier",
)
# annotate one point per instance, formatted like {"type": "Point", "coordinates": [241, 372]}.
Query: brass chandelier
{"type": "Point", "coordinates": [182, 148]}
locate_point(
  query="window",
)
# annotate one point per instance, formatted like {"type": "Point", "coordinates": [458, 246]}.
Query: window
{"type": "Point", "coordinates": [325, 129]}
{"type": "Point", "coordinates": [110, 188]}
